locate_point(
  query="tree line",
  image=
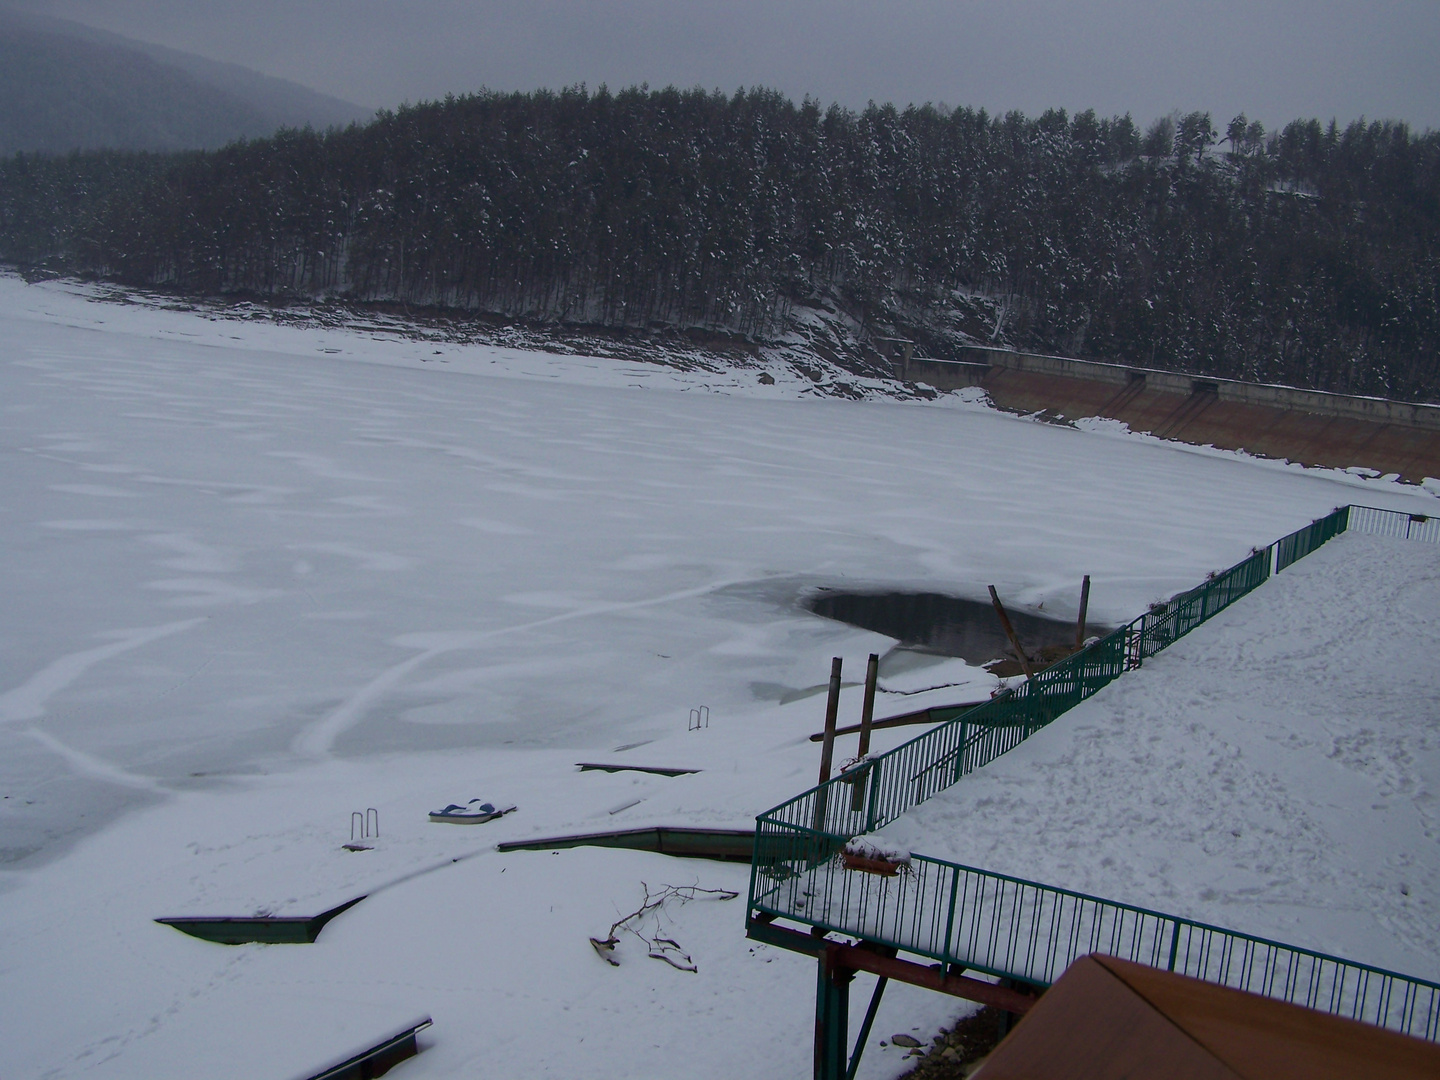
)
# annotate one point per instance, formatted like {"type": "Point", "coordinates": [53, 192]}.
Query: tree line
{"type": "Point", "coordinates": [1305, 256]}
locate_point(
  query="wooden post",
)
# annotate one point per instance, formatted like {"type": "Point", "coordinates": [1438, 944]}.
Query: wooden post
{"type": "Point", "coordinates": [832, 709]}
{"type": "Point", "coordinates": [867, 711]}
{"type": "Point", "coordinates": [867, 717]}
{"type": "Point", "coordinates": [1010, 633]}
{"type": "Point", "coordinates": [1084, 604]}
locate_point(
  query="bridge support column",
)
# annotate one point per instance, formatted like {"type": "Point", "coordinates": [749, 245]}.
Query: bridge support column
{"type": "Point", "coordinates": [832, 1017]}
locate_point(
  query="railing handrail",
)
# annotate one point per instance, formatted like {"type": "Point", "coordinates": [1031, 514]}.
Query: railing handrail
{"type": "Point", "coordinates": [1387, 510]}
{"type": "Point", "coordinates": [1119, 905]}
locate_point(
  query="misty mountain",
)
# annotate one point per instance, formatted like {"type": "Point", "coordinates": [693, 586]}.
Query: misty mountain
{"type": "Point", "coordinates": [65, 87]}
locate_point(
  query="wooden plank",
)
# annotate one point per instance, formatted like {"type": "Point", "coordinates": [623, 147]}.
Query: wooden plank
{"type": "Point", "coordinates": [858, 958]}
{"type": "Point", "coordinates": [862, 958]}
{"type": "Point", "coordinates": [920, 716]}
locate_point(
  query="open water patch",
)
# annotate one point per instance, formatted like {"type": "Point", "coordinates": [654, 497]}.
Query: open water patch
{"type": "Point", "coordinates": [948, 625]}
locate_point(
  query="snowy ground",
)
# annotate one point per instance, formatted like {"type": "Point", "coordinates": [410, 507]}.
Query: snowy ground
{"type": "Point", "coordinates": [1276, 771]}
{"type": "Point", "coordinates": [258, 577]}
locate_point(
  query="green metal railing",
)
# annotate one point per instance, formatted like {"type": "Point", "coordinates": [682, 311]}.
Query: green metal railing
{"type": "Point", "coordinates": [1168, 622]}
{"type": "Point", "coordinates": [877, 791]}
{"type": "Point", "coordinates": [1023, 930]}
{"type": "Point", "coordinates": [1030, 932]}
{"type": "Point", "coordinates": [1303, 541]}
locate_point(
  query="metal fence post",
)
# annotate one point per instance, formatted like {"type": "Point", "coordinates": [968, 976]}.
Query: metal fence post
{"type": "Point", "coordinates": [832, 1016]}
{"type": "Point", "coordinates": [960, 750]}
{"type": "Point", "coordinates": [950, 920]}
{"type": "Point", "coordinates": [873, 812]}
{"type": "Point", "coordinates": [757, 856]}
{"type": "Point", "coordinates": [864, 1034]}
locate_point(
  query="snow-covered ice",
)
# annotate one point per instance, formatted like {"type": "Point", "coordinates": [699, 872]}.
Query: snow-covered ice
{"type": "Point", "coordinates": [257, 577]}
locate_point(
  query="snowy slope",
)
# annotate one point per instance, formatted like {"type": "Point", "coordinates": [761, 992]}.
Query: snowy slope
{"type": "Point", "coordinates": [258, 577]}
{"type": "Point", "coordinates": [1276, 771]}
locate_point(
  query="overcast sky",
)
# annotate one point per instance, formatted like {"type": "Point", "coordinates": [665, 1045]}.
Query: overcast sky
{"type": "Point", "coordinates": [1276, 60]}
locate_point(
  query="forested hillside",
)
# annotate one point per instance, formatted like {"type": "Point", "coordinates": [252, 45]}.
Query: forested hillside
{"type": "Point", "coordinates": [1307, 256]}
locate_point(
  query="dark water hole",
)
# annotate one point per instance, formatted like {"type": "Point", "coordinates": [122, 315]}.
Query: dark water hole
{"type": "Point", "coordinates": [947, 625]}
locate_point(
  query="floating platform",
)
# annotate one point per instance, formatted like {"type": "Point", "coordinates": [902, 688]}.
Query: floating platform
{"type": "Point", "coordinates": [658, 770]}
{"type": "Point", "coordinates": [258, 929]}
{"type": "Point", "coordinates": [726, 845]}
{"type": "Point", "coordinates": [378, 1059]}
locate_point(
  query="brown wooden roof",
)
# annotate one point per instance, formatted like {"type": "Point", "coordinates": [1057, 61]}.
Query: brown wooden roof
{"type": "Point", "coordinates": [1109, 1019]}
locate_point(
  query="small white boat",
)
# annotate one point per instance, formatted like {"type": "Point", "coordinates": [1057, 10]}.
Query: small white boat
{"type": "Point", "coordinates": [475, 812]}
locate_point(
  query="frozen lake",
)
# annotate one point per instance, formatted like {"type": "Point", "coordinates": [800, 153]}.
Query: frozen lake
{"type": "Point", "coordinates": [257, 577]}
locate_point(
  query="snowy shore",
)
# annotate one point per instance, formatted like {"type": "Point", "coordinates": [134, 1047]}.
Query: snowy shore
{"type": "Point", "coordinates": [259, 577]}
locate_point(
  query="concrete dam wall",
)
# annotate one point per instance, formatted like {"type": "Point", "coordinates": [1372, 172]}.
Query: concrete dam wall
{"type": "Point", "coordinates": [1308, 426]}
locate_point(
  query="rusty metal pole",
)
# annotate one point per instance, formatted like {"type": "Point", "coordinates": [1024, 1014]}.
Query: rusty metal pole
{"type": "Point", "coordinates": [1010, 633]}
{"type": "Point", "coordinates": [1084, 606]}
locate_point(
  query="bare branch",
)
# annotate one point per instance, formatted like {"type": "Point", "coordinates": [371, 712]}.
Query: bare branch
{"type": "Point", "coordinates": [658, 948]}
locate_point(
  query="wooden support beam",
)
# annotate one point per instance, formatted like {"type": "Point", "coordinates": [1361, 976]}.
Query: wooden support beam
{"type": "Point", "coordinates": [857, 958]}
{"type": "Point", "coordinates": [832, 709]}
{"type": "Point", "coordinates": [867, 710]}
{"type": "Point", "coordinates": [920, 716]}
{"type": "Point", "coordinates": [867, 717]}
{"type": "Point", "coordinates": [1010, 633]}
{"type": "Point", "coordinates": [761, 927]}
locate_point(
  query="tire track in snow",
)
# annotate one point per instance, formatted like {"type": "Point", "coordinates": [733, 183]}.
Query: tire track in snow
{"type": "Point", "coordinates": [27, 701]}
{"type": "Point", "coordinates": [318, 740]}
{"type": "Point", "coordinates": [93, 767]}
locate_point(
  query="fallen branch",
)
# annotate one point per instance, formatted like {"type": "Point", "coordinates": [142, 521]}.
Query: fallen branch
{"type": "Point", "coordinates": [657, 948]}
